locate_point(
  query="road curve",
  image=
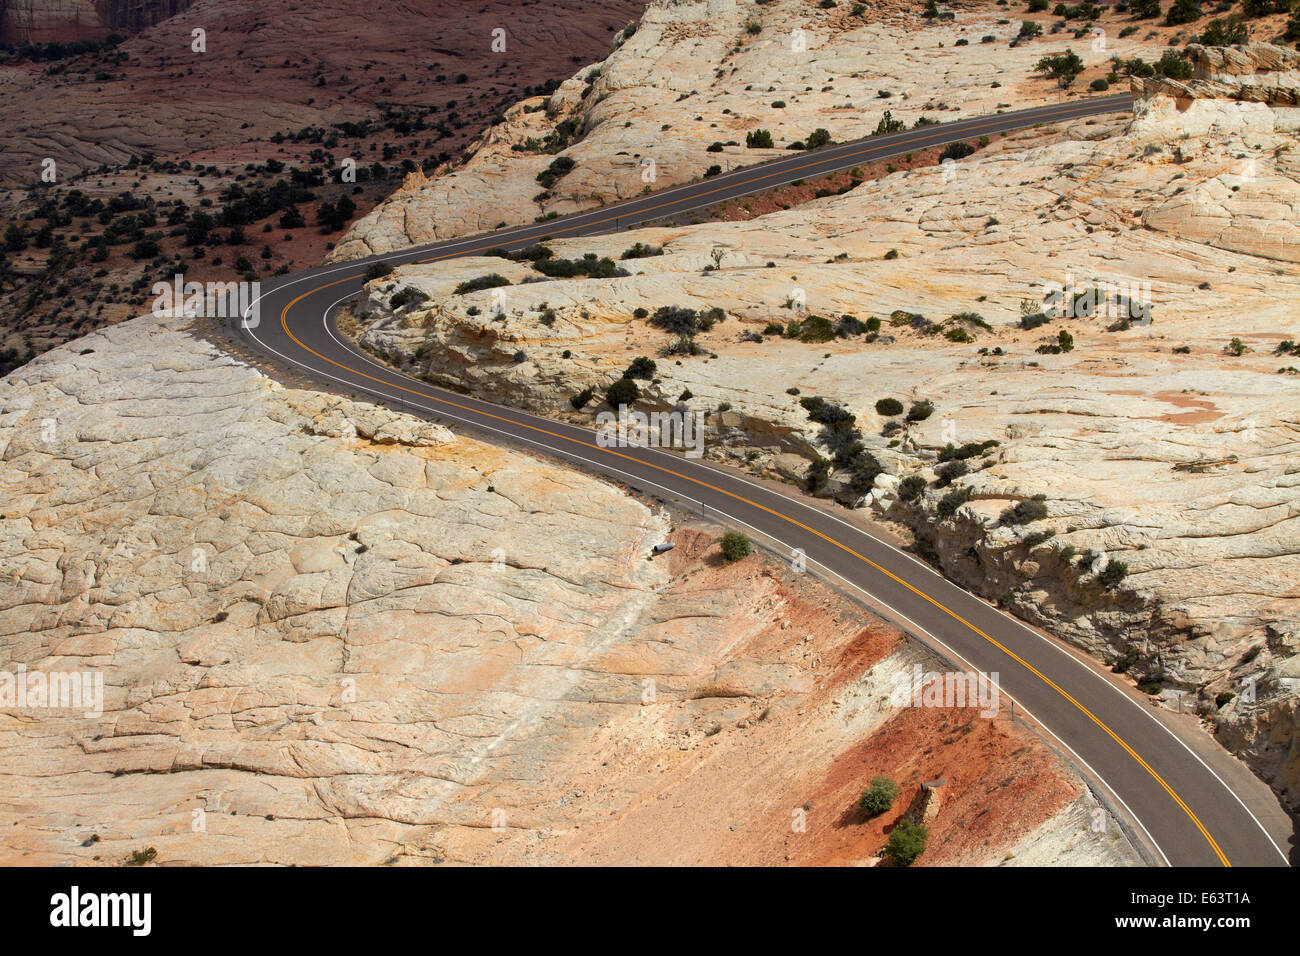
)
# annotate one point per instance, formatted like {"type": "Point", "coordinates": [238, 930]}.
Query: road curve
{"type": "Point", "coordinates": [1191, 802]}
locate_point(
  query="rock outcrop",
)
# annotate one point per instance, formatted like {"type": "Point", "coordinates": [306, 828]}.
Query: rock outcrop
{"type": "Point", "coordinates": [330, 633]}
{"type": "Point", "coordinates": [1166, 448]}
{"type": "Point", "coordinates": [681, 94]}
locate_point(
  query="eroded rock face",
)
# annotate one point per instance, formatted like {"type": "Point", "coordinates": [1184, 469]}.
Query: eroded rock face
{"type": "Point", "coordinates": [328, 633]}
{"type": "Point", "coordinates": [1168, 447]}
{"type": "Point", "coordinates": [679, 96]}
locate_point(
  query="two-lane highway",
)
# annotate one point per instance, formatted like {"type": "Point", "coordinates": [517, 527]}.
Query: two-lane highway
{"type": "Point", "coordinates": [1178, 796]}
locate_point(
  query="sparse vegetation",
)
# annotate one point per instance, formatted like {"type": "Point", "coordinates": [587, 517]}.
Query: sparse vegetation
{"type": "Point", "coordinates": [906, 843]}
{"type": "Point", "coordinates": [1023, 512]}
{"type": "Point", "coordinates": [491, 281]}
{"type": "Point", "coordinates": [735, 545]}
{"type": "Point", "coordinates": [622, 392]}
{"type": "Point", "coordinates": [879, 796]}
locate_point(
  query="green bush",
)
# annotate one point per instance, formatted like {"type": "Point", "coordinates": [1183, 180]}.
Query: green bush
{"type": "Point", "coordinates": [953, 500]}
{"type": "Point", "coordinates": [407, 296]}
{"type": "Point", "coordinates": [1224, 31]}
{"type": "Point", "coordinates": [910, 488]}
{"type": "Point", "coordinates": [818, 138]}
{"type": "Point", "coordinates": [1183, 11]}
{"type": "Point", "coordinates": [1113, 573]}
{"type": "Point", "coordinates": [906, 843]}
{"type": "Point", "coordinates": [920, 411]}
{"type": "Point", "coordinates": [642, 367]}
{"type": "Point", "coordinates": [758, 139]}
{"type": "Point", "coordinates": [817, 476]}
{"type": "Point", "coordinates": [582, 398]}
{"type": "Point", "coordinates": [878, 797]}
{"type": "Point", "coordinates": [1062, 67]}
{"type": "Point", "coordinates": [951, 470]}
{"type": "Point", "coordinates": [956, 151]}
{"type": "Point", "coordinates": [735, 545]}
{"type": "Point", "coordinates": [622, 392]}
{"type": "Point", "coordinates": [491, 281]}
{"type": "Point", "coordinates": [1023, 512]}
{"type": "Point", "coordinates": [816, 328]}
{"type": "Point", "coordinates": [889, 407]}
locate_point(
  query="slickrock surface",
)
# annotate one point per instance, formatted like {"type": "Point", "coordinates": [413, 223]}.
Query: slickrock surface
{"type": "Point", "coordinates": [334, 634]}
{"type": "Point", "coordinates": [1152, 445]}
{"type": "Point", "coordinates": [693, 75]}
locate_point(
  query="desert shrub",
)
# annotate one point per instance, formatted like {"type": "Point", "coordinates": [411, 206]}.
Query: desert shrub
{"type": "Point", "coordinates": [589, 266]}
{"type": "Point", "coordinates": [582, 398]}
{"type": "Point", "coordinates": [816, 328]}
{"type": "Point", "coordinates": [818, 138]}
{"type": "Point", "coordinates": [970, 449]}
{"type": "Point", "coordinates": [1113, 573]}
{"type": "Point", "coordinates": [920, 411]}
{"type": "Point", "coordinates": [622, 392]}
{"type": "Point", "coordinates": [735, 545]}
{"type": "Point", "coordinates": [407, 296]}
{"type": "Point", "coordinates": [1175, 65]}
{"type": "Point", "coordinates": [758, 139]}
{"type": "Point", "coordinates": [827, 413]}
{"type": "Point", "coordinates": [491, 281]}
{"type": "Point", "coordinates": [888, 125]}
{"type": "Point", "coordinates": [560, 166]}
{"type": "Point", "coordinates": [950, 470]}
{"type": "Point", "coordinates": [679, 320]}
{"type": "Point", "coordinates": [377, 270]}
{"type": "Point", "coordinates": [1062, 67]}
{"type": "Point", "coordinates": [642, 367]}
{"type": "Point", "coordinates": [878, 797]}
{"type": "Point", "coordinates": [956, 151]}
{"type": "Point", "coordinates": [889, 406]}
{"type": "Point", "coordinates": [910, 488]}
{"type": "Point", "coordinates": [953, 500]}
{"type": "Point", "coordinates": [1023, 512]}
{"type": "Point", "coordinates": [641, 251]}
{"type": "Point", "coordinates": [1183, 11]}
{"type": "Point", "coordinates": [906, 843]}
{"type": "Point", "coordinates": [817, 476]}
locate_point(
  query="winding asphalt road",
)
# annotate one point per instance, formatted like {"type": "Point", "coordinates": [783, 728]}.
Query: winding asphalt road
{"type": "Point", "coordinates": [1186, 800]}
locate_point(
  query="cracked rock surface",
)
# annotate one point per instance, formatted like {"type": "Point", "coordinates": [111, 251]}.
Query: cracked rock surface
{"type": "Point", "coordinates": [329, 633]}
